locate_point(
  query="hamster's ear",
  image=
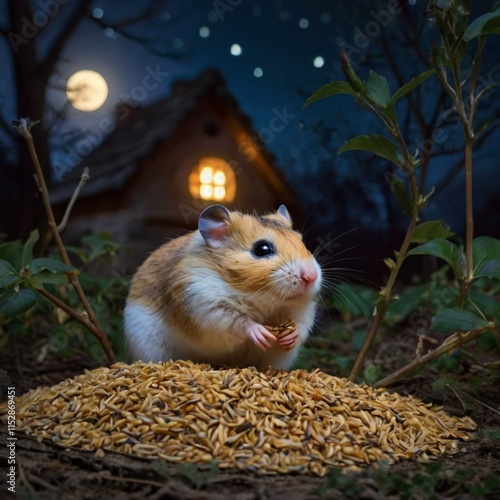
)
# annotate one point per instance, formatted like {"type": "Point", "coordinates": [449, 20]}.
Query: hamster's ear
{"type": "Point", "coordinates": [213, 225]}
{"type": "Point", "coordinates": [283, 211]}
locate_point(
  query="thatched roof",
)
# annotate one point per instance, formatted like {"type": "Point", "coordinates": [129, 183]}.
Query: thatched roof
{"type": "Point", "coordinates": [135, 137]}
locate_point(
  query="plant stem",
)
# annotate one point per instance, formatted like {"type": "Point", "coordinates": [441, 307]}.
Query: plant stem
{"type": "Point", "coordinates": [469, 213]}
{"type": "Point", "coordinates": [83, 180]}
{"type": "Point", "coordinates": [384, 295]}
{"type": "Point", "coordinates": [47, 237]}
{"type": "Point", "coordinates": [383, 301]}
{"type": "Point", "coordinates": [93, 324]}
{"type": "Point", "coordinates": [452, 342]}
{"type": "Point", "coordinates": [67, 309]}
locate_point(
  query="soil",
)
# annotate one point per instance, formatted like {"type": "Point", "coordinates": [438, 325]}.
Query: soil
{"type": "Point", "coordinates": [45, 471]}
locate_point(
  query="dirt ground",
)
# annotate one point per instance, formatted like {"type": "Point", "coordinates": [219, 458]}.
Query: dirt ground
{"type": "Point", "coordinates": [45, 471]}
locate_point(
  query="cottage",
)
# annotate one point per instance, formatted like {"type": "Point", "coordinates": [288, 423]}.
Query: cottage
{"type": "Point", "coordinates": [165, 162]}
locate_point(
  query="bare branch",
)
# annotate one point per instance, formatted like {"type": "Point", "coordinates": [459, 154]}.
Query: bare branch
{"type": "Point", "coordinates": [121, 27]}
{"type": "Point", "coordinates": [23, 127]}
{"type": "Point", "coordinates": [83, 180]}
{"type": "Point", "coordinates": [458, 167]}
{"type": "Point", "coordinates": [409, 97]}
{"type": "Point", "coordinates": [53, 54]}
{"type": "Point", "coordinates": [409, 20]}
{"type": "Point", "coordinates": [452, 342]}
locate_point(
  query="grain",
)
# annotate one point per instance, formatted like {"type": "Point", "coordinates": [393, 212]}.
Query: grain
{"type": "Point", "coordinates": [282, 329]}
{"type": "Point", "coordinates": [269, 421]}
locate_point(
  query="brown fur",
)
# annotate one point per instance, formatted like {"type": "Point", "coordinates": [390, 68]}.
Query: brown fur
{"type": "Point", "coordinates": [162, 282]}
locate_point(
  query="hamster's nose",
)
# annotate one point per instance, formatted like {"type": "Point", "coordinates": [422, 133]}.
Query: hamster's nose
{"type": "Point", "coordinates": [309, 275]}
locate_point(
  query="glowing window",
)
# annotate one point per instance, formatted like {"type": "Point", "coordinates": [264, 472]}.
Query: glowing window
{"type": "Point", "coordinates": [212, 179]}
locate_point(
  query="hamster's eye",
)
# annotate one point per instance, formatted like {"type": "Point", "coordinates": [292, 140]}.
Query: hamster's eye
{"type": "Point", "coordinates": [263, 248]}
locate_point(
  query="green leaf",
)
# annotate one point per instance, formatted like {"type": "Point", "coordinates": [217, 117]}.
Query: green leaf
{"type": "Point", "coordinates": [445, 250]}
{"type": "Point", "coordinates": [492, 433]}
{"type": "Point", "coordinates": [47, 278]}
{"type": "Point", "coordinates": [456, 320]}
{"type": "Point", "coordinates": [440, 4]}
{"type": "Point", "coordinates": [430, 230]}
{"type": "Point", "coordinates": [443, 383]}
{"type": "Point", "coordinates": [13, 302]}
{"type": "Point", "coordinates": [459, 50]}
{"type": "Point", "coordinates": [8, 275]}
{"type": "Point", "coordinates": [486, 257]}
{"type": "Point", "coordinates": [404, 304]}
{"type": "Point", "coordinates": [101, 244]}
{"type": "Point", "coordinates": [11, 251]}
{"type": "Point", "coordinates": [412, 84]}
{"type": "Point", "coordinates": [55, 266]}
{"type": "Point", "coordinates": [81, 253]}
{"type": "Point", "coordinates": [488, 306]}
{"type": "Point", "coordinates": [378, 89]}
{"type": "Point", "coordinates": [373, 373]}
{"type": "Point", "coordinates": [27, 254]}
{"type": "Point", "coordinates": [437, 57]}
{"type": "Point", "coordinates": [376, 144]}
{"type": "Point", "coordinates": [330, 89]}
{"type": "Point", "coordinates": [482, 25]}
{"type": "Point", "coordinates": [402, 195]}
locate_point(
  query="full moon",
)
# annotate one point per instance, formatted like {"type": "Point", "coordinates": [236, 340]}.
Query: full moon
{"type": "Point", "coordinates": [87, 90]}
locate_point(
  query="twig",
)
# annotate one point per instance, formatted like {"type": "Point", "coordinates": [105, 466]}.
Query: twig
{"type": "Point", "coordinates": [457, 396]}
{"type": "Point", "coordinates": [83, 180]}
{"type": "Point", "coordinates": [475, 400]}
{"type": "Point", "coordinates": [452, 342]}
{"type": "Point", "coordinates": [383, 301]}
{"type": "Point", "coordinates": [23, 127]}
{"type": "Point", "coordinates": [384, 295]}
{"type": "Point", "coordinates": [67, 309]}
{"type": "Point", "coordinates": [40, 482]}
{"type": "Point", "coordinates": [25, 482]}
{"type": "Point", "coordinates": [47, 237]}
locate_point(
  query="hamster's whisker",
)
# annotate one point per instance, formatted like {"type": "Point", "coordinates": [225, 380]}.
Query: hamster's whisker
{"type": "Point", "coordinates": [304, 231]}
{"type": "Point", "coordinates": [335, 276]}
{"type": "Point", "coordinates": [322, 299]}
{"type": "Point", "coordinates": [328, 240]}
{"type": "Point", "coordinates": [336, 257]}
{"type": "Point", "coordinates": [261, 290]}
{"type": "Point", "coordinates": [335, 292]}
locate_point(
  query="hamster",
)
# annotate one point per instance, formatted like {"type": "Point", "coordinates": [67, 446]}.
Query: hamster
{"type": "Point", "coordinates": [207, 295]}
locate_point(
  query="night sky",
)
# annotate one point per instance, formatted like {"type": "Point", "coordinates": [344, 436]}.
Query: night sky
{"type": "Point", "coordinates": [266, 51]}
{"type": "Point", "coordinates": [273, 54]}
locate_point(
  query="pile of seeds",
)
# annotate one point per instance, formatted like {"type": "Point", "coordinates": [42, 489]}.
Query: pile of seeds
{"type": "Point", "coordinates": [268, 421]}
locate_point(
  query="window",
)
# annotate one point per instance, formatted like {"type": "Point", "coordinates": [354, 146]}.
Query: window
{"type": "Point", "coordinates": [212, 179]}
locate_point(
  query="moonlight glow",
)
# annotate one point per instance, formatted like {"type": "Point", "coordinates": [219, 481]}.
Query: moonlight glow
{"type": "Point", "coordinates": [87, 90]}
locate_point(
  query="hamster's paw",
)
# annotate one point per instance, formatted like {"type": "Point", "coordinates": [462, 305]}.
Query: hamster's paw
{"type": "Point", "coordinates": [289, 341]}
{"type": "Point", "coordinates": [259, 335]}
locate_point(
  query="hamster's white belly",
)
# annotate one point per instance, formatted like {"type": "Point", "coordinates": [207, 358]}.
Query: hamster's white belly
{"type": "Point", "coordinates": [149, 338]}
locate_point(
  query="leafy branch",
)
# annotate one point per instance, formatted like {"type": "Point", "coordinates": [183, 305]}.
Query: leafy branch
{"type": "Point", "coordinates": [37, 272]}
{"type": "Point", "coordinates": [374, 94]}
{"type": "Point", "coordinates": [481, 257]}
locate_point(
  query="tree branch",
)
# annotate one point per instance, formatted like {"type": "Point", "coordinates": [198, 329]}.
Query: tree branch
{"type": "Point", "coordinates": [453, 342]}
{"type": "Point", "coordinates": [47, 65]}
{"type": "Point", "coordinates": [94, 326]}
{"type": "Point", "coordinates": [121, 28]}
{"type": "Point", "coordinates": [83, 180]}
{"type": "Point", "coordinates": [81, 318]}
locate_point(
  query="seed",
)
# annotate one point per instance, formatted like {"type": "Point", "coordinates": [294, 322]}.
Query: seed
{"type": "Point", "coordinates": [267, 421]}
